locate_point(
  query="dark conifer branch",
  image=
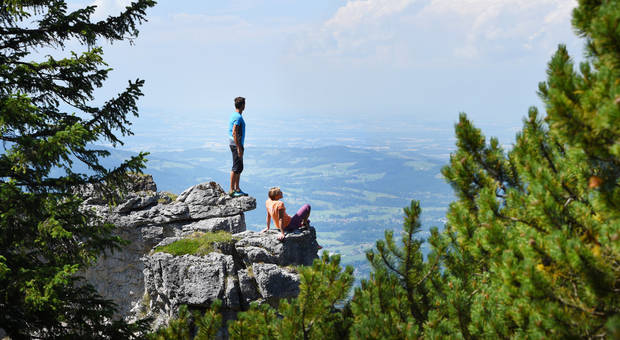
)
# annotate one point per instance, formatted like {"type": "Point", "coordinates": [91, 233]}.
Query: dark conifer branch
{"type": "Point", "coordinates": [56, 240]}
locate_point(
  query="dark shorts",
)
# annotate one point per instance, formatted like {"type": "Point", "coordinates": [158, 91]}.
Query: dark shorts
{"type": "Point", "coordinates": [299, 216]}
{"type": "Point", "coordinates": [237, 166]}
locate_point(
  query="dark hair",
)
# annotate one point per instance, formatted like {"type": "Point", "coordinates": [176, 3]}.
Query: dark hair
{"type": "Point", "coordinates": [239, 103]}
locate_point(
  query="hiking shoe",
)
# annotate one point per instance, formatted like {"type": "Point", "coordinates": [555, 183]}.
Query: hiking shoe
{"type": "Point", "coordinates": [238, 194]}
{"type": "Point", "coordinates": [231, 193]}
{"type": "Point", "coordinates": [242, 193]}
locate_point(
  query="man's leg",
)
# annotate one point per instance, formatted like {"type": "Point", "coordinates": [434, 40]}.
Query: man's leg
{"type": "Point", "coordinates": [236, 181]}
{"type": "Point", "coordinates": [238, 170]}
{"type": "Point", "coordinates": [237, 165]}
{"type": "Point", "coordinates": [232, 181]}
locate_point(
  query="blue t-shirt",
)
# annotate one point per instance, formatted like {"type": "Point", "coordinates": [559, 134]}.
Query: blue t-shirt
{"type": "Point", "coordinates": [236, 119]}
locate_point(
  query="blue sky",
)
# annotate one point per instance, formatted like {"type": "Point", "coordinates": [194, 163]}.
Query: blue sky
{"type": "Point", "coordinates": [379, 62]}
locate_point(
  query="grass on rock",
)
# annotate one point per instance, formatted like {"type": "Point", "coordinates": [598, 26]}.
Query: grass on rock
{"type": "Point", "coordinates": [170, 195]}
{"type": "Point", "coordinates": [198, 243]}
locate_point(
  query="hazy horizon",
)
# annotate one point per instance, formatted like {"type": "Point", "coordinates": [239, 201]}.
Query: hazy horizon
{"type": "Point", "coordinates": [333, 66]}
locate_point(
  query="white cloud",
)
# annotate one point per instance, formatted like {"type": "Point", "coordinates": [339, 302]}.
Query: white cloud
{"type": "Point", "coordinates": [380, 31]}
{"type": "Point", "coordinates": [106, 8]}
{"type": "Point", "coordinates": [359, 12]}
{"type": "Point", "coordinates": [494, 24]}
{"type": "Point", "coordinates": [355, 29]}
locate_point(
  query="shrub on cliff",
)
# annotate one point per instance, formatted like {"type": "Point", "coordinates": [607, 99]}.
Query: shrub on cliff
{"type": "Point", "coordinates": [311, 315]}
{"type": "Point", "coordinates": [188, 326]}
{"type": "Point", "coordinates": [47, 123]}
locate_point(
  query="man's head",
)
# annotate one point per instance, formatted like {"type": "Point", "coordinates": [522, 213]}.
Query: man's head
{"type": "Point", "coordinates": [240, 104]}
{"type": "Point", "coordinates": [274, 193]}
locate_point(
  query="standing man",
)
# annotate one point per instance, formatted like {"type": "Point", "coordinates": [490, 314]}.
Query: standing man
{"type": "Point", "coordinates": [236, 133]}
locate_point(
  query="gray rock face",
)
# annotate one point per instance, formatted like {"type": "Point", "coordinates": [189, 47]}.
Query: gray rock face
{"type": "Point", "coordinates": [297, 248]}
{"type": "Point", "coordinates": [196, 281]}
{"type": "Point", "coordinates": [233, 224]}
{"type": "Point", "coordinates": [252, 267]}
{"type": "Point", "coordinates": [208, 200]}
{"type": "Point", "coordinates": [275, 282]}
{"type": "Point", "coordinates": [248, 287]}
{"type": "Point", "coordinates": [230, 273]}
{"type": "Point", "coordinates": [145, 217]}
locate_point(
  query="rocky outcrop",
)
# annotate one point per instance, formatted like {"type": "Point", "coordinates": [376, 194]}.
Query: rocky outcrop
{"type": "Point", "coordinates": [143, 282]}
{"type": "Point", "coordinates": [196, 281]}
{"type": "Point", "coordinates": [296, 250]}
{"type": "Point", "coordinates": [145, 217]}
{"type": "Point", "coordinates": [252, 267]}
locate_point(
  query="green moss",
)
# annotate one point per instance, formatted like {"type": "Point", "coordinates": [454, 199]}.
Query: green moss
{"type": "Point", "coordinates": [196, 244]}
{"type": "Point", "coordinates": [292, 268]}
{"type": "Point", "coordinates": [146, 304]}
{"type": "Point", "coordinates": [170, 197]}
{"type": "Point", "coordinates": [137, 174]}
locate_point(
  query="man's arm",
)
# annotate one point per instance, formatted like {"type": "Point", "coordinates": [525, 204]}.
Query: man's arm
{"type": "Point", "coordinates": [235, 133]}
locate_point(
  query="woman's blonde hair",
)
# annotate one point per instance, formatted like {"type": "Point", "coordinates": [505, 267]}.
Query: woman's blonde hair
{"type": "Point", "coordinates": [273, 192]}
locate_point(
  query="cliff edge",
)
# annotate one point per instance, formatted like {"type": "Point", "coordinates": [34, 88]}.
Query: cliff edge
{"type": "Point", "coordinates": [145, 279]}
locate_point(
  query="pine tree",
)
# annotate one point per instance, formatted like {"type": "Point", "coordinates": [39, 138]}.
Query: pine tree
{"type": "Point", "coordinates": [541, 224]}
{"type": "Point", "coordinates": [48, 124]}
{"type": "Point", "coordinates": [530, 249]}
{"type": "Point", "coordinates": [395, 301]}
{"type": "Point", "coordinates": [192, 326]}
{"type": "Point", "coordinates": [311, 315]}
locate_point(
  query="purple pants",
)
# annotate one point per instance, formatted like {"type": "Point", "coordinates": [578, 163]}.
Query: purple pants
{"type": "Point", "coordinates": [299, 216]}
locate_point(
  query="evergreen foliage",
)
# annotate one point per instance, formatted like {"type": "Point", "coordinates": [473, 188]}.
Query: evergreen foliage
{"type": "Point", "coordinates": [530, 249]}
{"type": "Point", "coordinates": [48, 123]}
{"type": "Point", "coordinates": [312, 315]}
{"type": "Point", "coordinates": [192, 326]}
{"type": "Point", "coordinates": [395, 301]}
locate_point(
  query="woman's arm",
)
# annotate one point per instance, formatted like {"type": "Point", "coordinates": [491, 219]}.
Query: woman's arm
{"type": "Point", "coordinates": [280, 225]}
{"type": "Point", "coordinates": [268, 222]}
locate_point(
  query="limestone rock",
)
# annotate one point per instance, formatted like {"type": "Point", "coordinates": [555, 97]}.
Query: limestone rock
{"type": "Point", "coordinates": [196, 281]}
{"type": "Point", "coordinates": [136, 202]}
{"type": "Point", "coordinates": [248, 286]}
{"type": "Point", "coordinates": [297, 248]}
{"type": "Point", "coordinates": [146, 217]}
{"type": "Point", "coordinates": [208, 200]}
{"type": "Point", "coordinates": [139, 183]}
{"type": "Point", "coordinates": [234, 224]}
{"type": "Point", "coordinates": [275, 282]}
{"type": "Point", "coordinates": [251, 267]}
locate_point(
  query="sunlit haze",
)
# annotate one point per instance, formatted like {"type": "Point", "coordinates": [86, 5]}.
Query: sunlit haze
{"type": "Point", "coordinates": [350, 66]}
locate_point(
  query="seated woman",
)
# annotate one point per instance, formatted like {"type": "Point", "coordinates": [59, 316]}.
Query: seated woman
{"type": "Point", "coordinates": [277, 212]}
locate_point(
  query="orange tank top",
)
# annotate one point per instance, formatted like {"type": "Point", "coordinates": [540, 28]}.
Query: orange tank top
{"type": "Point", "coordinates": [272, 209]}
